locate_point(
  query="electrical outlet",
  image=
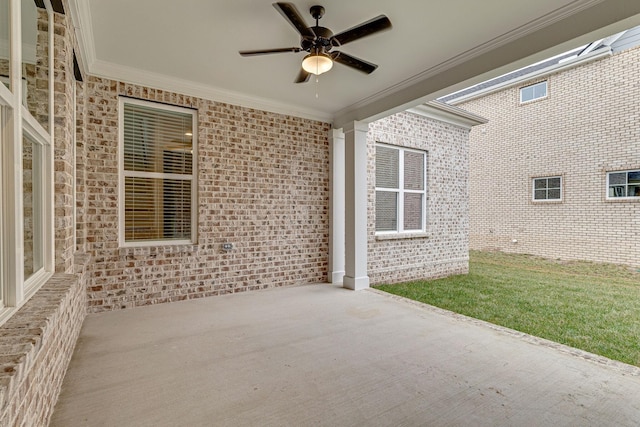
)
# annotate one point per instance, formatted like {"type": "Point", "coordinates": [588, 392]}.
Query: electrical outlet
{"type": "Point", "coordinates": [227, 246]}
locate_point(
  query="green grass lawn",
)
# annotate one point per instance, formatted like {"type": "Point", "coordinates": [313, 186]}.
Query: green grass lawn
{"type": "Point", "coordinates": [594, 307]}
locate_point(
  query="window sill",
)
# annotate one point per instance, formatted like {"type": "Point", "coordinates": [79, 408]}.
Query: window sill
{"type": "Point", "coordinates": [155, 250]}
{"type": "Point", "coordinates": [542, 201]}
{"type": "Point", "coordinates": [402, 236]}
{"type": "Point", "coordinates": [623, 199]}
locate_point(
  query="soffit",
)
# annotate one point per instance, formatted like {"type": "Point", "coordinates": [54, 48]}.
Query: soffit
{"type": "Point", "coordinates": [192, 47]}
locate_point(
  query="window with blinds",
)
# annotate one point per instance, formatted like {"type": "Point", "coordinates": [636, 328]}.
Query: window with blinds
{"type": "Point", "coordinates": [400, 189]}
{"type": "Point", "coordinates": [158, 173]}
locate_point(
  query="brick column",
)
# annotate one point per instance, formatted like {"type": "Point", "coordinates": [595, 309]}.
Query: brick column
{"type": "Point", "coordinates": [63, 140]}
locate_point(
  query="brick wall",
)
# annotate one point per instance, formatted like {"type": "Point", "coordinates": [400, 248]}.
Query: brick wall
{"type": "Point", "coordinates": [587, 125]}
{"type": "Point", "coordinates": [36, 345]}
{"type": "Point", "coordinates": [444, 250]}
{"type": "Point", "coordinates": [81, 170]}
{"type": "Point", "coordinates": [63, 135]}
{"type": "Point", "coordinates": [37, 342]}
{"type": "Point", "coordinates": [263, 185]}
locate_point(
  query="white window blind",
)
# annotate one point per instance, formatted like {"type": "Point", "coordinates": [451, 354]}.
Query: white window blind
{"type": "Point", "coordinates": [158, 169]}
{"type": "Point", "coordinates": [400, 189]}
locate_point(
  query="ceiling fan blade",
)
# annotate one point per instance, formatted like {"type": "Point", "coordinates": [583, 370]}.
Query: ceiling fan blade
{"type": "Point", "coordinates": [268, 51]}
{"type": "Point", "coordinates": [372, 26]}
{"type": "Point", "coordinates": [353, 62]}
{"type": "Point", "coordinates": [291, 14]}
{"type": "Point", "coordinates": [303, 76]}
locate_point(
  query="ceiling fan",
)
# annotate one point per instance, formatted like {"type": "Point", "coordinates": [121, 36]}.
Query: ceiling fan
{"type": "Point", "coordinates": [319, 42]}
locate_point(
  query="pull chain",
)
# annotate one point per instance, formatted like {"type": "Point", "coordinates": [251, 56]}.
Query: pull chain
{"type": "Point", "coordinates": [317, 71]}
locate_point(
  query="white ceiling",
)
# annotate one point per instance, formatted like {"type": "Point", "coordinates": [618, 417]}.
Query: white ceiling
{"type": "Point", "coordinates": [435, 46]}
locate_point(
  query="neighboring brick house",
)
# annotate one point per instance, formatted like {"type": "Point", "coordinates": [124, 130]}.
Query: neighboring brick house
{"type": "Point", "coordinates": [244, 200]}
{"type": "Point", "coordinates": [556, 170]}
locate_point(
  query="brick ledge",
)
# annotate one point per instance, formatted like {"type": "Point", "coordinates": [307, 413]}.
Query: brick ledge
{"type": "Point", "coordinates": [26, 340]}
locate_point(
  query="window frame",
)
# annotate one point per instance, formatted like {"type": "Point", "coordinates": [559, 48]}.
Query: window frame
{"type": "Point", "coordinates": [401, 191]}
{"type": "Point", "coordinates": [532, 85]}
{"type": "Point", "coordinates": [626, 185]}
{"type": "Point", "coordinates": [123, 174]}
{"type": "Point", "coordinates": [16, 124]}
{"type": "Point", "coordinates": [547, 178]}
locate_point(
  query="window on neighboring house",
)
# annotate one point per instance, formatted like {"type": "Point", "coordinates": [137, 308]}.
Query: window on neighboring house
{"type": "Point", "coordinates": [400, 189]}
{"type": "Point", "coordinates": [158, 169]}
{"type": "Point", "coordinates": [548, 188]}
{"type": "Point", "coordinates": [532, 92]}
{"type": "Point", "coordinates": [623, 184]}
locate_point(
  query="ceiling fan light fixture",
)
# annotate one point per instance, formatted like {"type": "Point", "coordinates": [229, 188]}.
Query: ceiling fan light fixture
{"type": "Point", "coordinates": [317, 63]}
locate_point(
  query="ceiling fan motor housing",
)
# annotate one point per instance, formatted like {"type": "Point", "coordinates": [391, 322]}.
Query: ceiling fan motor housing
{"type": "Point", "coordinates": [322, 41]}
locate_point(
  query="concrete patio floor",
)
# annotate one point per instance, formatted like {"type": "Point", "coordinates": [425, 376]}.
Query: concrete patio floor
{"type": "Point", "coordinates": [324, 356]}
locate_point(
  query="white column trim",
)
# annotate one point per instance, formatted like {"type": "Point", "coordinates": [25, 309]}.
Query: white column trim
{"type": "Point", "coordinates": [356, 193]}
{"type": "Point", "coordinates": [336, 207]}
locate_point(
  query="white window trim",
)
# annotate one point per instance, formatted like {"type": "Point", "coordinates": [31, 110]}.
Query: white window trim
{"type": "Point", "coordinates": [546, 91]}
{"type": "Point", "coordinates": [17, 122]}
{"type": "Point", "coordinates": [533, 189]}
{"type": "Point", "coordinates": [620, 198]}
{"type": "Point", "coordinates": [122, 174]}
{"type": "Point", "coordinates": [400, 191]}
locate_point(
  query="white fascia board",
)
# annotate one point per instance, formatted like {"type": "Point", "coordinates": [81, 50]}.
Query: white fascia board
{"type": "Point", "coordinates": [442, 112]}
{"type": "Point", "coordinates": [556, 68]}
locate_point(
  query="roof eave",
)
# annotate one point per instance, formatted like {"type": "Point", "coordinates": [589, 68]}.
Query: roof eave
{"type": "Point", "coordinates": [438, 110]}
{"type": "Point", "coordinates": [565, 65]}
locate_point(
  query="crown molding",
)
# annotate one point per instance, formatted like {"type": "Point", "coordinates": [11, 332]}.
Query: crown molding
{"type": "Point", "coordinates": [132, 75]}
{"type": "Point", "coordinates": [80, 13]}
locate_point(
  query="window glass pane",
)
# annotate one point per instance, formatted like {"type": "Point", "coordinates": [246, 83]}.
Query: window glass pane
{"type": "Point", "coordinates": [540, 90]}
{"type": "Point", "coordinates": [157, 140]}
{"type": "Point", "coordinates": [554, 182]}
{"type": "Point", "coordinates": [634, 177]}
{"type": "Point", "coordinates": [540, 194]}
{"type": "Point", "coordinates": [529, 93]}
{"type": "Point", "coordinates": [387, 167]}
{"type": "Point", "coordinates": [617, 178]}
{"type": "Point", "coordinates": [554, 194]}
{"type": "Point", "coordinates": [35, 61]}
{"type": "Point", "coordinates": [617, 191]}
{"type": "Point", "coordinates": [634, 191]}
{"type": "Point", "coordinates": [413, 170]}
{"type": "Point", "coordinates": [526, 94]}
{"type": "Point", "coordinates": [157, 209]}
{"type": "Point", "coordinates": [5, 42]}
{"type": "Point", "coordinates": [540, 183]}
{"type": "Point", "coordinates": [32, 206]}
{"type": "Point", "coordinates": [386, 211]}
{"type": "Point", "coordinates": [412, 211]}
